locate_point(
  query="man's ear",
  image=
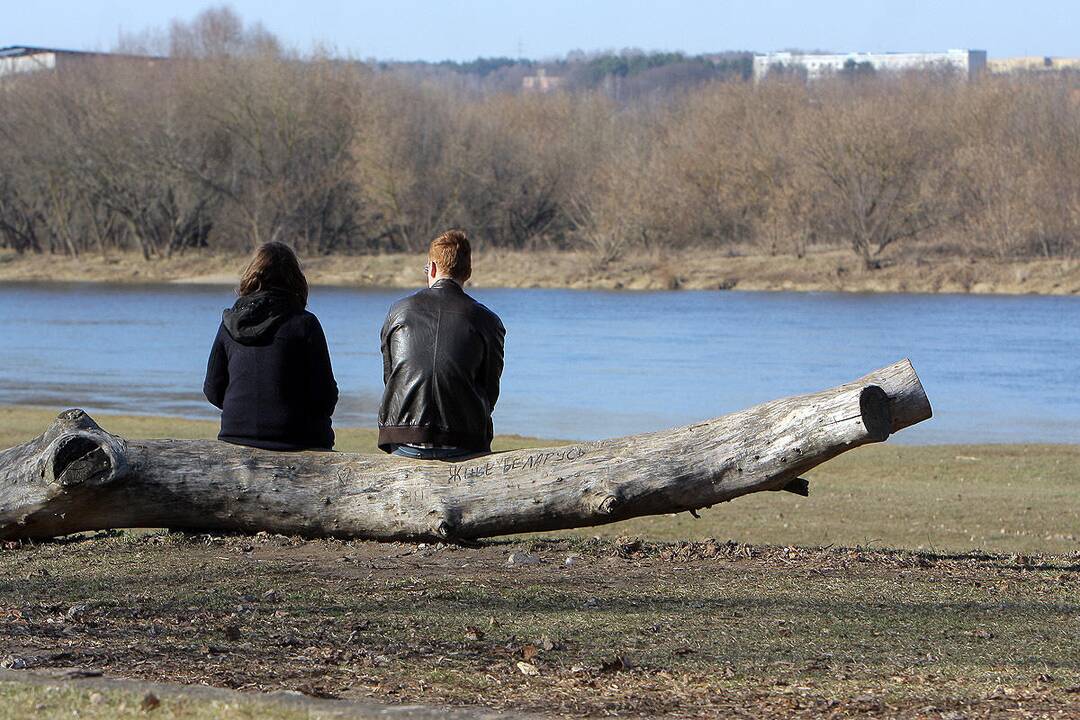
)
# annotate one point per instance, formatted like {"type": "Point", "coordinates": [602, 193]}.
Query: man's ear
{"type": "Point", "coordinates": [433, 269]}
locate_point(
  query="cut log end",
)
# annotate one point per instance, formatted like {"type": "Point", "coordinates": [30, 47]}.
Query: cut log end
{"type": "Point", "coordinates": [907, 398]}
{"type": "Point", "coordinates": [876, 410]}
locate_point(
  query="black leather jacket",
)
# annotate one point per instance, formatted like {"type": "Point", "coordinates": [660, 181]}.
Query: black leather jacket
{"type": "Point", "coordinates": [442, 360]}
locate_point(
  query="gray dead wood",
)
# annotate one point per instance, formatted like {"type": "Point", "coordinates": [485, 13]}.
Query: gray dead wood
{"type": "Point", "coordinates": [77, 477]}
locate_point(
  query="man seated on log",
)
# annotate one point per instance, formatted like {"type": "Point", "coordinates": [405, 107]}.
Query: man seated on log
{"type": "Point", "coordinates": [442, 360]}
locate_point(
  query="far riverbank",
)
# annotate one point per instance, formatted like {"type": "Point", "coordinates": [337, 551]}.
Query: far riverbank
{"type": "Point", "coordinates": [833, 271]}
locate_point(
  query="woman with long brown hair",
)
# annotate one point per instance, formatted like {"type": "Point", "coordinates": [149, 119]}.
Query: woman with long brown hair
{"type": "Point", "coordinates": [269, 368]}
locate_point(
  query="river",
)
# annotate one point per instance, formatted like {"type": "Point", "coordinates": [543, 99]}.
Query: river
{"type": "Point", "coordinates": [585, 364]}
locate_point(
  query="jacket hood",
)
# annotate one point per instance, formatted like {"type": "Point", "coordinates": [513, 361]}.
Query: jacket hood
{"type": "Point", "coordinates": [256, 317]}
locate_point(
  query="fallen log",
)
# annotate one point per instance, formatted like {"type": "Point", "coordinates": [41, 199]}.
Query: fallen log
{"type": "Point", "coordinates": [77, 477]}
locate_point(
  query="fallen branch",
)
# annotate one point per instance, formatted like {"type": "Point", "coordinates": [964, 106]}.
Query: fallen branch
{"type": "Point", "coordinates": [77, 477]}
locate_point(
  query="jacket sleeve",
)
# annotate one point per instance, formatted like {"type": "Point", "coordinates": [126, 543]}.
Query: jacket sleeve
{"type": "Point", "coordinates": [493, 363]}
{"type": "Point", "coordinates": [384, 346]}
{"type": "Point", "coordinates": [324, 389]}
{"type": "Point", "coordinates": [217, 371]}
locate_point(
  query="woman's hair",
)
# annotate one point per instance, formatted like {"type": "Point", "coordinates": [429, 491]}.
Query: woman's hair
{"type": "Point", "coordinates": [274, 266]}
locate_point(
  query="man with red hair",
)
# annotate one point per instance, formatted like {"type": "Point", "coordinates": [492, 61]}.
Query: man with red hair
{"type": "Point", "coordinates": [442, 361]}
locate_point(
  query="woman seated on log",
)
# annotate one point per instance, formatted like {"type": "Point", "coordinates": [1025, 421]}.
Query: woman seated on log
{"type": "Point", "coordinates": [269, 369]}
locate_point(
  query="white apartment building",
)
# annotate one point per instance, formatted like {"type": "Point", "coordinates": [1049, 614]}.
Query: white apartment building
{"type": "Point", "coordinates": [967, 62]}
{"type": "Point", "coordinates": [22, 59]}
{"type": "Point", "coordinates": [16, 60]}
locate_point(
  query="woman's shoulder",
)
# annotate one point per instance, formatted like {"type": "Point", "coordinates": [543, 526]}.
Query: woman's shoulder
{"type": "Point", "coordinates": [304, 322]}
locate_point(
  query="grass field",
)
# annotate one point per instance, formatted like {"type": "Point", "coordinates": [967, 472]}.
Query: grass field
{"type": "Point", "coordinates": [60, 699]}
{"type": "Point", "coordinates": [630, 628]}
{"type": "Point", "coordinates": [867, 599]}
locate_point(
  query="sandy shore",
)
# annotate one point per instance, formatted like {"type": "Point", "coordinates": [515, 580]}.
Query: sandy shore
{"type": "Point", "coordinates": [696, 270]}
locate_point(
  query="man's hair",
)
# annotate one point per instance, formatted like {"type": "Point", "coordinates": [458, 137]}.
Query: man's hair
{"type": "Point", "coordinates": [451, 252]}
{"type": "Point", "coordinates": [274, 266]}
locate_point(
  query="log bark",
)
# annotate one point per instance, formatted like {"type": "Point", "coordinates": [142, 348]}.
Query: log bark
{"type": "Point", "coordinates": [77, 477]}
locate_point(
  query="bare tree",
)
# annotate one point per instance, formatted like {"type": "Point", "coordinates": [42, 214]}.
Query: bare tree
{"type": "Point", "coordinates": [234, 141]}
{"type": "Point", "coordinates": [880, 170]}
{"type": "Point", "coordinates": [406, 147]}
{"type": "Point", "coordinates": [218, 32]}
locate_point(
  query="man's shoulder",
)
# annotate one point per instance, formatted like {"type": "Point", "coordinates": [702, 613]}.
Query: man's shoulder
{"type": "Point", "coordinates": [488, 314]}
{"type": "Point", "coordinates": [479, 312]}
{"type": "Point", "coordinates": [417, 299]}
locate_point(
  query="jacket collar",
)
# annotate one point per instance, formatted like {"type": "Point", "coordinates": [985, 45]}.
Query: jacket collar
{"type": "Point", "coordinates": [450, 283]}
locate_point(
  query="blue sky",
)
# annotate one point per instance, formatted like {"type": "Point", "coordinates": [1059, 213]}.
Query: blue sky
{"type": "Point", "coordinates": [465, 29]}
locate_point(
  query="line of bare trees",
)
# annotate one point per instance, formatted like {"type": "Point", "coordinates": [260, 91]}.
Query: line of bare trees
{"type": "Point", "coordinates": [233, 141]}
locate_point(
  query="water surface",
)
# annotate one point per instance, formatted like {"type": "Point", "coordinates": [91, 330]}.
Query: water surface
{"type": "Point", "coordinates": [585, 364]}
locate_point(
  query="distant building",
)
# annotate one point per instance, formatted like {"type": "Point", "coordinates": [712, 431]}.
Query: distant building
{"type": "Point", "coordinates": [19, 59]}
{"type": "Point", "coordinates": [1032, 64]}
{"type": "Point", "coordinates": [541, 82]}
{"type": "Point", "coordinates": [818, 65]}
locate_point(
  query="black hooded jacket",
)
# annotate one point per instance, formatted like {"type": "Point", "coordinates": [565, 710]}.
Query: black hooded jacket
{"type": "Point", "coordinates": [269, 372]}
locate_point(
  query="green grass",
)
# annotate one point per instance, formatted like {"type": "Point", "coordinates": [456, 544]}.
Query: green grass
{"type": "Point", "coordinates": [24, 700]}
{"type": "Point", "coordinates": [19, 424]}
{"type": "Point", "coordinates": [1000, 498]}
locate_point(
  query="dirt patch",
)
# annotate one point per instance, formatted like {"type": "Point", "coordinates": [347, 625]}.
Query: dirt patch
{"type": "Point", "coordinates": [575, 627]}
{"type": "Point", "coordinates": [698, 269]}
